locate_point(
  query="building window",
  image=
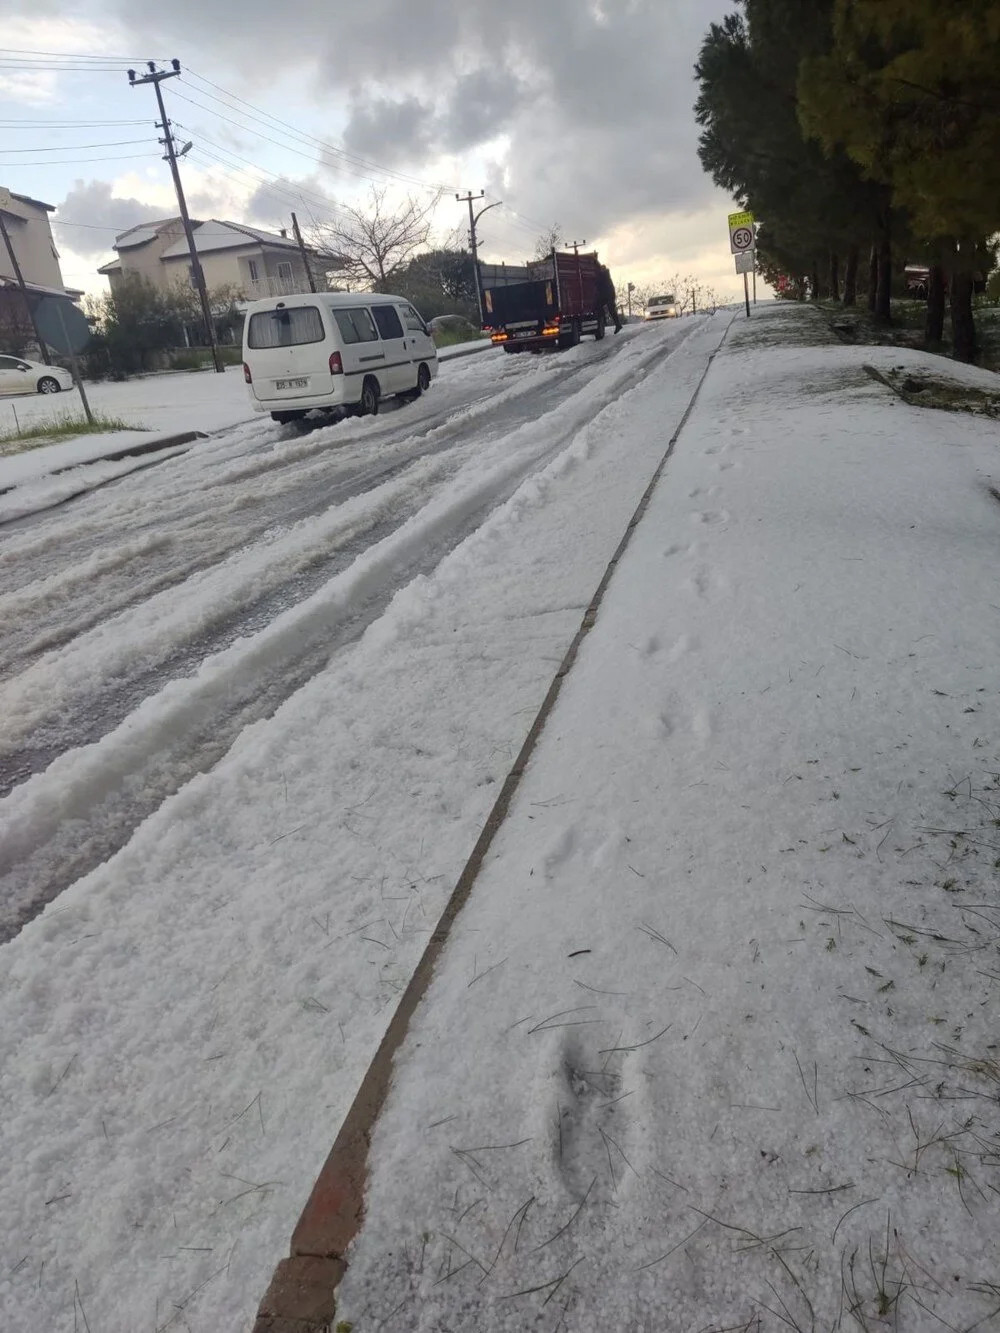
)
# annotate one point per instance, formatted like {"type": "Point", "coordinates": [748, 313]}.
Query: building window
{"type": "Point", "coordinates": [254, 273]}
{"type": "Point", "coordinates": [284, 272]}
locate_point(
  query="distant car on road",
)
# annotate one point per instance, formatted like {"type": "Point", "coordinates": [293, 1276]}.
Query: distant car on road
{"type": "Point", "coordinates": [662, 307]}
{"type": "Point", "coordinates": [20, 376]}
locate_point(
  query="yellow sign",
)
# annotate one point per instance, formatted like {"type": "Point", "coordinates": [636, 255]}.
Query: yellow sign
{"type": "Point", "coordinates": [742, 236]}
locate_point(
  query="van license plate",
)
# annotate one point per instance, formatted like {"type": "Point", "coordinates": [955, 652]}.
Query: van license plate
{"type": "Point", "coordinates": [291, 384]}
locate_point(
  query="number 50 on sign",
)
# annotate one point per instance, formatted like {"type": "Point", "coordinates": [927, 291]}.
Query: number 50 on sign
{"type": "Point", "coordinates": [741, 233]}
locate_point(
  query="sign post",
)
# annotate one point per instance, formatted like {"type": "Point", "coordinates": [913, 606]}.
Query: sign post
{"type": "Point", "coordinates": [64, 326]}
{"type": "Point", "coordinates": [743, 244]}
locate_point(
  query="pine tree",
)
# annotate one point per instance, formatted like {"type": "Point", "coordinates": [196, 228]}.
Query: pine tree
{"type": "Point", "coordinates": [909, 90]}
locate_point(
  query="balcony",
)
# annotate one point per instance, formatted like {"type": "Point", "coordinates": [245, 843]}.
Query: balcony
{"type": "Point", "coordinates": [284, 285]}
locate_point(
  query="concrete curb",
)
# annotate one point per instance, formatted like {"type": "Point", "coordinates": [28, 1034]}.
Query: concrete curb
{"type": "Point", "coordinates": [333, 1213]}
{"type": "Point", "coordinates": [469, 351]}
{"type": "Point", "coordinates": [127, 451]}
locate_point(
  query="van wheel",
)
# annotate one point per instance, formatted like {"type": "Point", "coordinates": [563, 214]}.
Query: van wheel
{"type": "Point", "coordinates": [599, 331]}
{"type": "Point", "coordinates": [368, 406]}
{"type": "Point", "coordinates": [283, 418]}
{"type": "Point", "coordinates": [423, 379]}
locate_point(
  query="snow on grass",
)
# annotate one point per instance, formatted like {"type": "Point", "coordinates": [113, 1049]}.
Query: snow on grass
{"type": "Point", "coordinates": [714, 1042]}
{"type": "Point", "coordinates": [183, 1029]}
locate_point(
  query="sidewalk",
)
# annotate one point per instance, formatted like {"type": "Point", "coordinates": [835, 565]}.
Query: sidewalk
{"type": "Point", "coordinates": [713, 1043]}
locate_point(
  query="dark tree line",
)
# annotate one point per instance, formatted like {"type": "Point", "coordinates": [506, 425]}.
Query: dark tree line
{"type": "Point", "coordinates": [863, 133]}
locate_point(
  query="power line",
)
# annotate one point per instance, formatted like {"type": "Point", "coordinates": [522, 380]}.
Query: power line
{"type": "Point", "coordinates": [80, 161]}
{"type": "Point", "coordinates": [75, 147]}
{"type": "Point", "coordinates": [305, 136]}
{"type": "Point", "coordinates": [31, 125]}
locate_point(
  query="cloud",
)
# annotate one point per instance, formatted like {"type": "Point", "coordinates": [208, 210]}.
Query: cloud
{"type": "Point", "coordinates": [572, 110]}
{"type": "Point", "coordinates": [90, 217]}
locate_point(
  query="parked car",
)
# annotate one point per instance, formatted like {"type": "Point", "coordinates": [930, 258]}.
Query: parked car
{"type": "Point", "coordinates": [20, 376]}
{"type": "Point", "coordinates": [334, 350]}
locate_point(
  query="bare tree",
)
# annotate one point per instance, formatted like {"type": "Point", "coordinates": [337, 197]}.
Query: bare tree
{"type": "Point", "coordinates": [548, 241]}
{"type": "Point", "coordinates": [374, 242]}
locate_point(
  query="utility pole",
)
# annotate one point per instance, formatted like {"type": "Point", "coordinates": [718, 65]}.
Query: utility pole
{"type": "Point", "coordinates": [303, 252]}
{"type": "Point", "coordinates": [469, 198]}
{"type": "Point", "coordinates": [24, 290]}
{"type": "Point", "coordinates": [631, 289]}
{"type": "Point", "coordinates": [156, 77]}
{"type": "Point", "coordinates": [575, 246]}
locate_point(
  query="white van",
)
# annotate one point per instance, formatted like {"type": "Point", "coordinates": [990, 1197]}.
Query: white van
{"type": "Point", "coordinates": [334, 349]}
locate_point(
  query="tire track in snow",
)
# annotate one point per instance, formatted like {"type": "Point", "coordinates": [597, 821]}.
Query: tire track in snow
{"type": "Point", "coordinates": [64, 821]}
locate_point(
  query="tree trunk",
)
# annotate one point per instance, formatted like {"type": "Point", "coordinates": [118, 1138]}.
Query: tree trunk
{"type": "Point", "coordinates": [834, 276]}
{"type": "Point", "coordinates": [851, 276]}
{"type": "Point", "coordinates": [817, 291]}
{"type": "Point", "coordinates": [934, 322]}
{"type": "Point", "coordinates": [873, 279]}
{"type": "Point", "coordinates": [883, 297]}
{"type": "Point", "coordinates": [963, 326]}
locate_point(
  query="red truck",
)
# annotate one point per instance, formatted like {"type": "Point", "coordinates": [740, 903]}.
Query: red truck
{"type": "Point", "coordinates": [547, 303]}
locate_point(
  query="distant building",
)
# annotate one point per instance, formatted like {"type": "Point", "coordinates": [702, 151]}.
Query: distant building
{"type": "Point", "coordinates": [250, 262]}
{"type": "Point", "coordinates": [29, 235]}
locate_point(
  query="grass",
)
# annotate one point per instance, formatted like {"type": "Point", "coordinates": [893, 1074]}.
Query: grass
{"type": "Point", "coordinates": [64, 426]}
{"type": "Point", "coordinates": [856, 324]}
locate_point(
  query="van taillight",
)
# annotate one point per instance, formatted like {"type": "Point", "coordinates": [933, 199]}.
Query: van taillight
{"type": "Point", "coordinates": [246, 373]}
{"type": "Point", "coordinates": [336, 364]}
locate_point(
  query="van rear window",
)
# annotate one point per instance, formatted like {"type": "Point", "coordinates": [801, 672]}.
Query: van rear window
{"type": "Point", "coordinates": [290, 327]}
{"type": "Point", "coordinates": [356, 326]}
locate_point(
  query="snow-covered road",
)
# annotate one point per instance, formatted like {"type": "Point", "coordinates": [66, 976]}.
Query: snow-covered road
{"type": "Point", "coordinates": [147, 625]}
{"type": "Point", "coordinates": [283, 675]}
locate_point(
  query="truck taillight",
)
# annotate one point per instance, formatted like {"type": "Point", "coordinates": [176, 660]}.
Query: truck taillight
{"type": "Point", "coordinates": [246, 373]}
{"type": "Point", "coordinates": [336, 364]}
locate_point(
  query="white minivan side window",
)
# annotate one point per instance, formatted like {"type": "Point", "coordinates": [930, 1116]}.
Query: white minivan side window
{"type": "Point", "coordinates": [290, 326]}
{"type": "Point", "coordinates": [413, 321]}
{"type": "Point", "coordinates": [356, 326]}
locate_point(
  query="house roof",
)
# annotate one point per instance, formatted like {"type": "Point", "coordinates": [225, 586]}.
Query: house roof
{"type": "Point", "coordinates": [36, 289]}
{"type": "Point", "coordinates": [216, 235]}
{"type": "Point", "coordinates": [142, 234]}
{"type": "Point", "coordinates": [35, 203]}
{"type": "Point", "coordinates": [113, 267]}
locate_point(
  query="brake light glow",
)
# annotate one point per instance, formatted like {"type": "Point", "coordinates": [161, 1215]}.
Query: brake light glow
{"type": "Point", "coordinates": [500, 337]}
{"type": "Point", "coordinates": [336, 364]}
{"type": "Point", "coordinates": [246, 373]}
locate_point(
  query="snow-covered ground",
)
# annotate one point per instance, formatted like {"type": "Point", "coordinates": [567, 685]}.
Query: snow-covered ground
{"type": "Point", "coordinates": [157, 405]}
{"type": "Point", "coordinates": [714, 1043]}
{"type": "Point", "coordinates": [768, 778]}
{"type": "Point", "coordinates": [257, 927]}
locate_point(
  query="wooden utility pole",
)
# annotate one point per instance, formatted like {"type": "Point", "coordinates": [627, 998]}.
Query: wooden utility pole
{"type": "Point", "coordinates": [468, 198]}
{"type": "Point", "coordinates": [304, 253]}
{"type": "Point", "coordinates": [156, 77]}
{"type": "Point", "coordinates": [24, 289]}
{"type": "Point", "coordinates": [575, 246]}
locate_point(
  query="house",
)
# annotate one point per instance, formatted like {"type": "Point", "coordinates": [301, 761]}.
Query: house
{"type": "Point", "coordinates": [249, 262]}
{"type": "Point", "coordinates": [26, 236]}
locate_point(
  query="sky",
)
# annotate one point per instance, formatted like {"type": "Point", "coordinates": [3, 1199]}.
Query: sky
{"type": "Point", "coordinates": [573, 113]}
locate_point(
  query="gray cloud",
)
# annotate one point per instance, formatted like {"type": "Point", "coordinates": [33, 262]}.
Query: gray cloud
{"type": "Point", "coordinates": [595, 96]}
{"type": "Point", "coordinates": [102, 216]}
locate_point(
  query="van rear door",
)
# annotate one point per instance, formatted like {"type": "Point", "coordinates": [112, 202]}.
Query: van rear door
{"type": "Point", "coordinates": [290, 354]}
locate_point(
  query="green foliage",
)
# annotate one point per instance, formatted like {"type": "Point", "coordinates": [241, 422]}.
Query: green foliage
{"type": "Point", "coordinates": [138, 323]}
{"type": "Point", "coordinates": [439, 282]}
{"type": "Point", "coordinates": [61, 426]}
{"type": "Point", "coordinates": [909, 89]}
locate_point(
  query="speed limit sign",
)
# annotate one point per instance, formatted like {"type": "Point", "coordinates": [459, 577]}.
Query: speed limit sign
{"type": "Point", "coordinates": [741, 233]}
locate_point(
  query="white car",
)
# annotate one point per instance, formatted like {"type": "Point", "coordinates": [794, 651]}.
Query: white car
{"type": "Point", "coordinates": [20, 376]}
{"type": "Point", "coordinates": [662, 307]}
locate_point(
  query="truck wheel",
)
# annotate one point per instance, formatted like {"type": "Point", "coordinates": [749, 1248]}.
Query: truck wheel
{"type": "Point", "coordinates": [368, 407]}
{"type": "Point", "coordinates": [572, 337]}
{"type": "Point", "coordinates": [599, 331]}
